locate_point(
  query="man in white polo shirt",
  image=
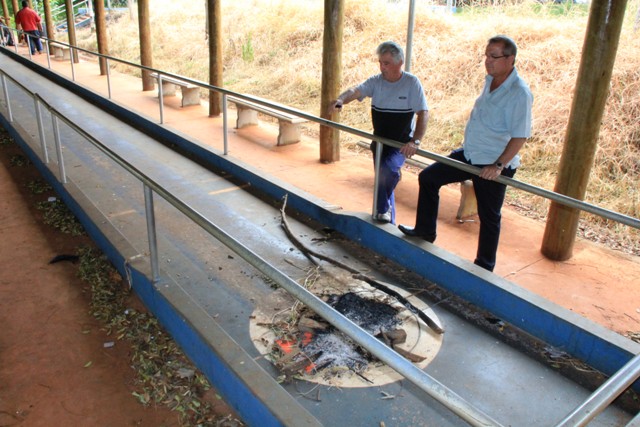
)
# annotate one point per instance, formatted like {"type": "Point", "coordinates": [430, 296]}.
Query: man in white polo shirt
{"type": "Point", "coordinates": [399, 112]}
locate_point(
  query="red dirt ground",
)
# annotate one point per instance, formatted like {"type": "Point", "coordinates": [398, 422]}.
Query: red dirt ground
{"type": "Point", "coordinates": [54, 367]}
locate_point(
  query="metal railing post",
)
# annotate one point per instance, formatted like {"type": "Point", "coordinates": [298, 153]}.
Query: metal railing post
{"type": "Point", "coordinates": [46, 44]}
{"type": "Point", "coordinates": [635, 422]}
{"type": "Point", "coordinates": [5, 89]}
{"type": "Point", "coordinates": [151, 233]}
{"type": "Point", "coordinates": [108, 77]}
{"type": "Point", "coordinates": [43, 141]}
{"type": "Point", "coordinates": [15, 40]}
{"type": "Point", "coordinates": [28, 39]}
{"type": "Point", "coordinates": [56, 135]}
{"type": "Point", "coordinates": [71, 57]}
{"type": "Point", "coordinates": [161, 98]}
{"type": "Point", "coordinates": [604, 395]}
{"type": "Point", "coordinates": [225, 134]}
{"type": "Point", "coordinates": [376, 177]}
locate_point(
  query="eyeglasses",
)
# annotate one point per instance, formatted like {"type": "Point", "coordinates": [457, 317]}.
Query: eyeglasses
{"type": "Point", "coordinates": [495, 57]}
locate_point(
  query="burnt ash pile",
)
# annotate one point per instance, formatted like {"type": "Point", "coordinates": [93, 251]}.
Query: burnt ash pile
{"type": "Point", "coordinates": [372, 316]}
{"type": "Point", "coordinates": [323, 347]}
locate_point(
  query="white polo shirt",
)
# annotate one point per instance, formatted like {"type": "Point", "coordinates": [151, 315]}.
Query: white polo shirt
{"type": "Point", "coordinates": [394, 104]}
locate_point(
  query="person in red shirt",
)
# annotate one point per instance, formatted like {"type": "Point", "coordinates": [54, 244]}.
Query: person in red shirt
{"type": "Point", "coordinates": [31, 23]}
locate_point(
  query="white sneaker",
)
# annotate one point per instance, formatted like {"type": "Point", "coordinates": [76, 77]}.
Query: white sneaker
{"type": "Point", "coordinates": [383, 217]}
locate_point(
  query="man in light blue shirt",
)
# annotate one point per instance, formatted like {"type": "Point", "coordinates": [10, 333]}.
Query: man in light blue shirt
{"type": "Point", "coordinates": [499, 125]}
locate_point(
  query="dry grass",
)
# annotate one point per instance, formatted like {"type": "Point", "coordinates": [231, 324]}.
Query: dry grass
{"type": "Point", "coordinates": [275, 52]}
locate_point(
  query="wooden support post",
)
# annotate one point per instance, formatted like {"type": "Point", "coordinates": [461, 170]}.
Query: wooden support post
{"type": "Point", "coordinates": [48, 22]}
{"type": "Point", "coordinates": [101, 34]}
{"type": "Point", "coordinates": [146, 53]}
{"type": "Point", "coordinates": [71, 29]}
{"type": "Point", "coordinates": [16, 9]}
{"type": "Point", "coordinates": [331, 77]}
{"type": "Point", "coordinates": [592, 88]}
{"type": "Point", "coordinates": [5, 13]}
{"type": "Point", "coordinates": [216, 55]}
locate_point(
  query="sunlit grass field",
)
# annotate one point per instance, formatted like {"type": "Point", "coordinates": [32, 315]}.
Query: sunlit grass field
{"type": "Point", "coordinates": [273, 49]}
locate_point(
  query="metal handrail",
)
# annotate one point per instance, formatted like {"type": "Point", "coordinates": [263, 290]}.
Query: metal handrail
{"type": "Point", "coordinates": [604, 395]}
{"type": "Point", "coordinates": [585, 412]}
{"type": "Point", "coordinates": [421, 379]}
{"type": "Point", "coordinates": [61, 9]}
{"type": "Point", "coordinates": [635, 422]}
{"type": "Point", "coordinates": [547, 194]}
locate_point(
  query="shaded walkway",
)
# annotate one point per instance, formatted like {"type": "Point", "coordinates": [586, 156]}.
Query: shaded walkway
{"type": "Point", "coordinates": [597, 282]}
{"type": "Point", "coordinates": [264, 155]}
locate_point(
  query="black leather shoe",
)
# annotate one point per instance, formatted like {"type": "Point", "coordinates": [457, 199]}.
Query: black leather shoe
{"type": "Point", "coordinates": [411, 232]}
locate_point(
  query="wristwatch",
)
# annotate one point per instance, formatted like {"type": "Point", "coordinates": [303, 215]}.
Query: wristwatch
{"type": "Point", "coordinates": [498, 165]}
{"type": "Point", "coordinates": [416, 142]}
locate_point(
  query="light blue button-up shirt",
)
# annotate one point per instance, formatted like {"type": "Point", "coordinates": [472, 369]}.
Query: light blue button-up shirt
{"type": "Point", "coordinates": [497, 117]}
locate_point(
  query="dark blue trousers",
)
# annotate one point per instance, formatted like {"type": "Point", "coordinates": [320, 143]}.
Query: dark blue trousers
{"type": "Point", "coordinates": [489, 194]}
{"type": "Point", "coordinates": [34, 41]}
{"type": "Point", "coordinates": [391, 162]}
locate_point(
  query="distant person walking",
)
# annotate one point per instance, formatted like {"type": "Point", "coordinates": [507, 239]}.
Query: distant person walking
{"type": "Point", "coordinates": [31, 23]}
{"type": "Point", "coordinates": [498, 127]}
{"type": "Point", "coordinates": [399, 112]}
{"type": "Point", "coordinates": [7, 38]}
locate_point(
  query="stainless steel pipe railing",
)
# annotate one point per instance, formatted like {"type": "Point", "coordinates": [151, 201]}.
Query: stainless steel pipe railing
{"type": "Point", "coordinates": [604, 395]}
{"type": "Point", "coordinates": [418, 377]}
{"type": "Point", "coordinates": [431, 386]}
{"type": "Point", "coordinates": [547, 194]}
{"type": "Point", "coordinates": [421, 379]}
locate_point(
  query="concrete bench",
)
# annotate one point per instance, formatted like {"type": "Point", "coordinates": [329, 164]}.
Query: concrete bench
{"type": "Point", "coordinates": [190, 92]}
{"type": "Point", "coordinates": [61, 52]}
{"type": "Point", "coordinates": [289, 124]}
{"type": "Point", "coordinates": [468, 203]}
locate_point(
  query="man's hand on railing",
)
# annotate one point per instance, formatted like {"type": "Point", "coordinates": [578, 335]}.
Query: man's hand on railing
{"type": "Point", "coordinates": [409, 149]}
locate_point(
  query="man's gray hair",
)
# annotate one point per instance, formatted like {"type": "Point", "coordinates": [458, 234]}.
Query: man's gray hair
{"type": "Point", "coordinates": [393, 48]}
{"type": "Point", "coordinates": [509, 46]}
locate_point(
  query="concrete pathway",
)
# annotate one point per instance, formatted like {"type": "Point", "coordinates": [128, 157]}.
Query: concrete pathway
{"type": "Point", "coordinates": [597, 282]}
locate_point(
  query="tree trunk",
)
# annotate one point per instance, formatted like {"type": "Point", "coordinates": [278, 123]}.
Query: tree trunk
{"type": "Point", "coordinates": [71, 30]}
{"type": "Point", "coordinates": [590, 96]}
{"type": "Point", "coordinates": [16, 9]}
{"type": "Point", "coordinates": [331, 77]}
{"type": "Point", "coordinates": [5, 13]}
{"type": "Point", "coordinates": [146, 53]}
{"type": "Point", "coordinates": [101, 35]}
{"type": "Point", "coordinates": [48, 22]}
